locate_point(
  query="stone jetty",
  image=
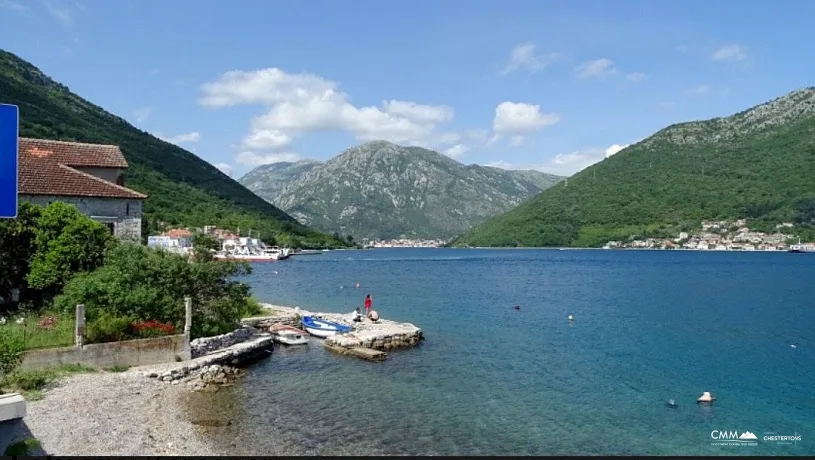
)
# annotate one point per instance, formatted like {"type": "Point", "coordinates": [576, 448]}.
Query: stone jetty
{"type": "Point", "coordinates": [382, 336]}
{"type": "Point", "coordinates": [217, 367]}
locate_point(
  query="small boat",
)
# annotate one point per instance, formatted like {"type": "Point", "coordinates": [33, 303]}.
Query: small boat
{"type": "Point", "coordinates": [323, 328]}
{"type": "Point", "coordinates": [802, 248]}
{"type": "Point", "coordinates": [288, 335]}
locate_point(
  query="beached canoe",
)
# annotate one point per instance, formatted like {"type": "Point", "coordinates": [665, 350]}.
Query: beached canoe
{"type": "Point", "coordinates": [322, 327]}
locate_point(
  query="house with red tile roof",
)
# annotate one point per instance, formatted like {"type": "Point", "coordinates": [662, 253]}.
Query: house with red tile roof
{"type": "Point", "coordinates": [88, 176]}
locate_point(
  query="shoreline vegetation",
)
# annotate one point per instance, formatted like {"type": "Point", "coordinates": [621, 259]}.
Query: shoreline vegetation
{"type": "Point", "coordinates": [53, 259]}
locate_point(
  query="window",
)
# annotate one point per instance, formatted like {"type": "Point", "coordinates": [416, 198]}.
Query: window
{"type": "Point", "coordinates": [112, 227]}
{"type": "Point", "coordinates": [127, 209]}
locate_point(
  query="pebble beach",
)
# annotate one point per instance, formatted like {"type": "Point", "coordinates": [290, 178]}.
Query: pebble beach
{"type": "Point", "coordinates": [113, 414]}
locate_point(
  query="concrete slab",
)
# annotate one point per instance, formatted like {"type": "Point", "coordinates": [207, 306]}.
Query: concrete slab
{"type": "Point", "coordinates": [12, 406]}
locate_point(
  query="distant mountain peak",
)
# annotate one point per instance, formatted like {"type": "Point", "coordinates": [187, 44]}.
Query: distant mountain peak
{"type": "Point", "coordinates": [382, 190]}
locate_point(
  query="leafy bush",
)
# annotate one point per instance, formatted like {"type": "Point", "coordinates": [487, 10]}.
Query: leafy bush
{"type": "Point", "coordinates": [29, 380]}
{"type": "Point", "coordinates": [11, 348]}
{"type": "Point", "coordinates": [149, 284]}
{"type": "Point", "coordinates": [253, 308]}
{"type": "Point", "coordinates": [66, 242]}
{"type": "Point", "coordinates": [109, 328]}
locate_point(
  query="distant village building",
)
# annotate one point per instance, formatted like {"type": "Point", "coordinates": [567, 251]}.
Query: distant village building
{"type": "Point", "coordinates": [88, 176]}
{"type": "Point", "coordinates": [176, 240]}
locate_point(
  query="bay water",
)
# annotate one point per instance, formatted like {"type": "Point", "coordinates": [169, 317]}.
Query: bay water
{"type": "Point", "coordinates": [490, 379]}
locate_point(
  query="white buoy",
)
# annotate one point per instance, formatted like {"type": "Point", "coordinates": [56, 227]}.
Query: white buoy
{"type": "Point", "coordinates": [706, 398]}
{"type": "Point", "coordinates": [793, 346]}
{"type": "Point", "coordinates": [571, 317]}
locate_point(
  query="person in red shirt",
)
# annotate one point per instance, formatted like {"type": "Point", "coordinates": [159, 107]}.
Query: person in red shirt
{"type": "Point", "coordinates": [367, 304]}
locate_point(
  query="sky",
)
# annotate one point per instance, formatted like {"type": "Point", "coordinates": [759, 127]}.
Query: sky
{"type": "Point", "coordinates": [548, 85]}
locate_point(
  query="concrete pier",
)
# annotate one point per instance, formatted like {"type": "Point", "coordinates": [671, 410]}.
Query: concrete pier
{"type": "Point", "coordinates": [383, 335]}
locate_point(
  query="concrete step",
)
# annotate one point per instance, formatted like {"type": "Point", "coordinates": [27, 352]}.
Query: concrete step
{"type": "Point", "coordinates": [12, 406]}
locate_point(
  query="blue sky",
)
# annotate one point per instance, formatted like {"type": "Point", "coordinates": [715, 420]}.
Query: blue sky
{"type": "Point", "coordinates": [539, 84]}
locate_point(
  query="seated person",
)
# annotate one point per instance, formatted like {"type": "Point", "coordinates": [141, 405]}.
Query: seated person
{"type": "Point", "coordinates": [357, 315]}
{"type": "Point", "coordinates": [373, 316]}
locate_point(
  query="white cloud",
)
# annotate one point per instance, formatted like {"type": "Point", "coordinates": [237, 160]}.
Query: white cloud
{"type": "Point", "coordinates": [523, 57]}
{"type": "Point", "coordinates": [61, 13]}
{"type": "Point", "coordinates": [15, 6]}
{"type": "Point", "coordinates": [614, 149]}
{"type": "Point", "coordinates": [636, 77]}
{"type": "Point", "coordinates": [266, 139]}
{"type": "Point", "coordinates": [456, 150]}
{"type": "Point", "coordinates": [417, 112]}
{"type": "Point", "coordinates": [516, 141]}
{"type": "Point", "coordinates": [566, 164]}
{"type": "Point", "coordinates": [729, 53]}
{"type": "Point", "coordinates": [701, 89]}
{"type": "Point", "coordinates": [182, 138]}
{"type": "Point", "coordinates": [255, 159]}
{"type": "Point", "coordinates": [225, 168]}
{"type": "Point", "coordinates": [142, 114]}
{"type": "Point", "coordinates": [303, 103]}
{"type": "Point", "coordinates": [595, 68]}
{"type": "Point", "coordinates": [518, 118]}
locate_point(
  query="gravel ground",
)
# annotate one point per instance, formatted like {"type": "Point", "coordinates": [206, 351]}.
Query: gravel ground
{"type": "Point", "coordinates": [113, 414]}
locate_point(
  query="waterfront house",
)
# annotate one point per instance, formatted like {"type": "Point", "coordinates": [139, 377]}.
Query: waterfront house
{"type": "Point", "coordinates": [88, 176]}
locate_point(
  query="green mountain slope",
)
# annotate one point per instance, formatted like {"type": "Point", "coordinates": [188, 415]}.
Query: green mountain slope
{"type": "Point", "coordinates": [380, 190]}
{"type": "Point", "coordinates": [182, 188]}
{"type": "Point", "coordinates": [758, 164]}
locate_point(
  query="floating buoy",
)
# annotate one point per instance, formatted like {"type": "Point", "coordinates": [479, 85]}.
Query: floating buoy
{"type": "Point", "coordinates": [571, 317]}
{"type": "Point", "coordinates": [275, 272]}
{"type": "Point", "coordinates": [671, 403]}
{"type": "Point", "coordinates": [705, 398]}
{"type": "Point", "coordinates": [517, 307]}
{"type": "Point", "coordinates": [793, 346]}
{"type": "Point", "coordinates": [357, 285]}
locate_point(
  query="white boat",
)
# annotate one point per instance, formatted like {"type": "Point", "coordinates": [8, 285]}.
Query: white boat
{"type": "Point", "coordinates": [323, 328]}
{"type": "Point", "coordinates": [248, 249]}
{"type": "Point", "coordinates": [288, 335]}
{"type": "Point", "coordinates": [802, 248]}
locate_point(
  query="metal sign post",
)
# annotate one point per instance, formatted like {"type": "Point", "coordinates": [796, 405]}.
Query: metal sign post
{"type": "Point", "coordinates": [9, 144]}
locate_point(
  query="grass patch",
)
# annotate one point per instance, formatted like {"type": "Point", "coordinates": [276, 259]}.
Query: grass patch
{"type": "Point", "coordinates": [31, 383]}
{"type": "Point", "coordinates": [22, 448]}
{"type": "Point", "coordinates": [118, 368]}
{"type": "Point", "coordinates": [35, 331]}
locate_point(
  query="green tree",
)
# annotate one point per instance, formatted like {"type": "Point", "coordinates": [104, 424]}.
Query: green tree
{"type": "Point", "coordinates": [203, 245]}
{"type": "Point", "coordinates": [16, 249]}
{"type": "Point", "coordinates": [145, 284]}
{"type": "Point", "coordinates": [66, 243]}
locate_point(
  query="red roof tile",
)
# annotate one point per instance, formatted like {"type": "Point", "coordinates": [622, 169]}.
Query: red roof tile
{"type": "Point", "coordinates": [47, 168]}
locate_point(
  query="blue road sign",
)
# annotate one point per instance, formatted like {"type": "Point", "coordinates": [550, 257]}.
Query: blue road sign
{"type": "Point", "coordinates": [9, 143]}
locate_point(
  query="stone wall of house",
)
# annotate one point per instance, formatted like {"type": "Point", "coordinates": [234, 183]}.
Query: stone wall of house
{"type": "Point", "coordinates": [124, 214]}
{"type": "Point", "coordinates": [108, 174]}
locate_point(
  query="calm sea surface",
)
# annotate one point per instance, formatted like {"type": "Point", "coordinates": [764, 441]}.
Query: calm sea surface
{"type": "Point", "coordinates": [490, 380]}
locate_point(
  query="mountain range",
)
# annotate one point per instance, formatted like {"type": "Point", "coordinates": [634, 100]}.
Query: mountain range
{"type": "Point", "coordinates": [380, 190]}
{"type": "Point", "coordinates": [757, 164]}
{"type": "Point", "coordinates": [183, 189]}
